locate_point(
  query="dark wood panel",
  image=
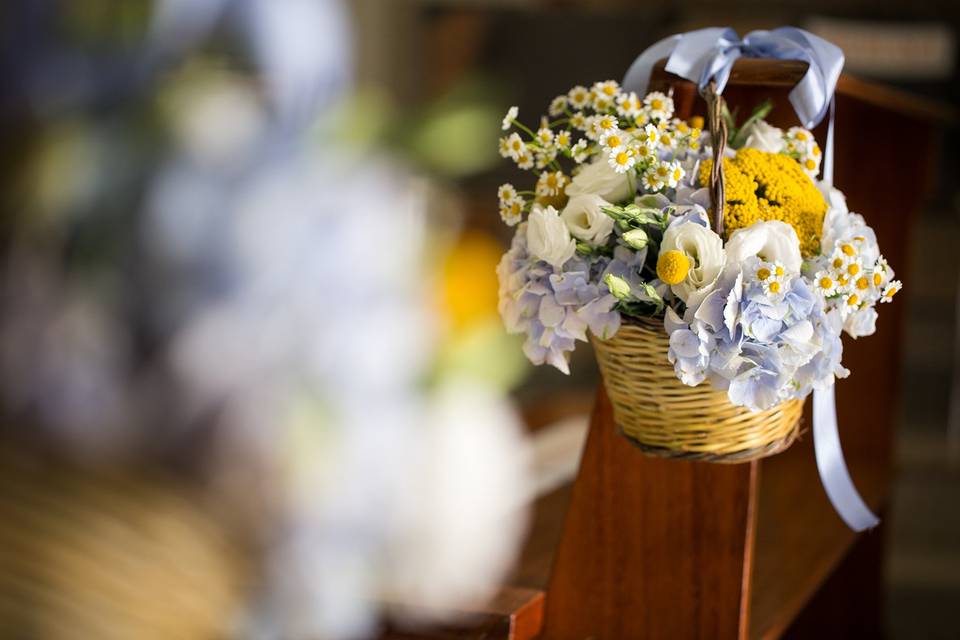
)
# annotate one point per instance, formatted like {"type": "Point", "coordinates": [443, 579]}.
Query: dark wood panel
{"type": "Point", "coordinates": [652, 548]}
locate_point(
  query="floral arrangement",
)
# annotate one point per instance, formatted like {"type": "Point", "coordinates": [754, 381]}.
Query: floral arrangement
{"type": "Point", "coordinates": [616, 227]}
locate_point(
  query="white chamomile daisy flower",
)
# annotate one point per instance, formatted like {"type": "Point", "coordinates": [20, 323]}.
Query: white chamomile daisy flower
{"type": "Point", "coordinates": [650, 136]}
{"type": "Point", "coordinates": [506, 193]}
{"type": "Point", "coordinates": [675, 174]}
{"type": "Point", "coordinates": [551, 183]}
{"type": "Point", "coordinates": [853, 269]}
{"type": "Point", "coordinates": [544, 136]}
{"type": "Point", "coordinates": [525, 161]}
{"type": "Point", "coordinates": [667, 141]}
{"type": "Point", "coordinates": [862, 284]}
{"type": "Point", "coordinates": [825, 284]}
{"type": "Point", "coordinates": [516, 146]}
{"type": "Point", "coordinates": [607, 90]}
{"type": "Point", "coordinates": [659, 105]}
{"type": "Point", "coordinates": [773, 286]}
{"type": "Point", "coordinates": [508, 119]}
{"type": "Point", "coordinates": [629, 105]}
{"type": "Point", "coordinates": [600, 125]}
{"type": "Point", "coordinates": [557, 106]}
{"type": "Point", "coordinates": [545, 156]}
{"type": "Point", "coordinates": [811, 165]}
{"type": "Point", "coordinates": [602, 104]}
{"type": "Point", "coordinates": [512, 212]}
{"type": "Point", "coordinates": [579, 97]}
{"type": "Point", "coordinates": [851, 302]}
{"type": "Point", "coordinates": [645, 154]}
{"type": "Point", "coordinates": [891, 290]}
{"type": "Point", "coordinates": [801, 135]}
{"type": "Point", "coordinates": [504, 148]}
{"type": "Point", "coordinates": [764, 272]}
{"type": "Point", "coordinates": [663, 171]}
{"type": "Point", "coordinates": [562, 139]}
{"type": "Point", "coordinates": [579, 151]}
{"type": "Point", "coordinates": [651, 179]}
{"type": "Point", "coordinates": [613, 140]}
{"type": "Point", "coordinates": [622, 159]}
{"type": "Point", "coordinates": [578, 121]}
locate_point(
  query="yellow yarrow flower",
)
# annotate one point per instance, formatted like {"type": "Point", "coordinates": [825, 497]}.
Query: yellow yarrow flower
{"type": "Point", "coordinates": [770, 186]}
{"type": "Point", "coordinates": [673, 266]}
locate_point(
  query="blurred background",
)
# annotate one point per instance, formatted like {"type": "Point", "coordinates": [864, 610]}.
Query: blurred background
{"type": "Point", "coordinates": [253, 382]}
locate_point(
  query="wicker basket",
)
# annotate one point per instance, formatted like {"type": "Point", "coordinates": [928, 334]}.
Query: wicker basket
{"type": "Point", "coordinates": [665, 417]}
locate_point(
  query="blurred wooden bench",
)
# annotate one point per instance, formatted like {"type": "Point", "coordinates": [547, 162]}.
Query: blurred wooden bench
{"type": "Point", "coordinates": [639, 547]}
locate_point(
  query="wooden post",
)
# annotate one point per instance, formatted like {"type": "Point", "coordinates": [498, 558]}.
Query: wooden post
{"type": "Point", "coordinates": [652, 548]}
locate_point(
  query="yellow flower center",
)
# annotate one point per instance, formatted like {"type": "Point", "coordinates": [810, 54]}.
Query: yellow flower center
{"type": "Point", "coordinates": [774, 287]}
{"type": "Point", "coordinates": [862, 283]}
{"type": "Point", "coordinates": [763, 273]}
{"type": "Point", "coordinates": [852, 300]}
{"type": "Point", "coordinates": [696, 122]}
{"type": "Point", "coordinates": [673, 266]}
{"type": "Point", "coordinates": [801, 135]}
{"type": "Point", "coordinates": [877, 279]}
{"type": "Point", "coordinates": [779, 270]}
{"type": "Point", "coordinates": [614, 141]}
{"type": "Point", "coordinates": [826, 283]}
{"type": "Point", "coordinates": [848, 250]}
{"type": "Point", "coordinates": [853, 269]}
{"type": "Point", "coordinates": [623, 158]}
{"type": "Point", "coordinates": [892, 292]}
{"type": "Point", "coordinates": [656, 104]}
{"type": "Point", "coordinates": [810, 164]}
{"type": "Point", "coordinates": [837, 263]}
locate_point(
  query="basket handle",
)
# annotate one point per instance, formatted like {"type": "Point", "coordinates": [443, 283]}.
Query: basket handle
{"type": "Point", "coordinates": [717, 126]}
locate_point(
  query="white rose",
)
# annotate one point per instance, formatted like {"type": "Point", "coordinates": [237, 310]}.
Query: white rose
{"type": "Point", "coordinates": [586, 220]}
{"type": "Point", "coordinates": [771, 240]}
{"type": "Point", "coordinates": [600, 179]}
{"type": "Point", "coordinates": [548, 237]}
{"type": "Point", "coordinates": [704, 249]}
{"type": "Point", "coordinates": [764, 136]}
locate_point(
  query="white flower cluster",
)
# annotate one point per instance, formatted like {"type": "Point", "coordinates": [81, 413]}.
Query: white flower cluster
{"type": "Point", "coordinates": [850, 273]}
{"type": "Point", "coordinates": [636, 137]}
{"type": "Point", "coordinates": [796, 142]}
{"type": "Point", "coordinates": [629, 226]}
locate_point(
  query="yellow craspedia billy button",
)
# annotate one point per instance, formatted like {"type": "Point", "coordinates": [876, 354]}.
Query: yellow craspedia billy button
{"type": "Point", "coordinates": [673, 266]}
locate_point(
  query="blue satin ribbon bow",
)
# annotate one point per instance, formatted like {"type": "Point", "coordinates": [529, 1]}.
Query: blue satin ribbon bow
{"type": "Point", "coordinates": [709, 54]}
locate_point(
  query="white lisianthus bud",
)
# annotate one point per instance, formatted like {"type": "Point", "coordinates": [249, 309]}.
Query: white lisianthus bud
{"type": "Point", "coordinates": [704, 250]}
{"type": "Point", "coordinates": [586, 220]}
{"type": "Point", "coordinates": [770, 240]}
{"type": "Point", "coordinates": [763, 136]}
{"type": "Point", "coordinates": [636, 238]}
{"type": "Point", "coordinates": [599, 178]}
{"type": "Point", "coordinates": [548, 238]}
{"type": "Point", "coordinates": [619, 288]}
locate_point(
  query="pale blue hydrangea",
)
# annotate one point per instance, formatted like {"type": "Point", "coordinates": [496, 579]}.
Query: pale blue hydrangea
{"type": "Point", "coordinates": [555, 309]}
{"type": "Point", "coordinates": [761, 346]}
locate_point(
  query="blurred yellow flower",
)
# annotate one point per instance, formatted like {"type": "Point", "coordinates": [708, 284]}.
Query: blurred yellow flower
{"type": "Point", "coordinates": [469, 280]}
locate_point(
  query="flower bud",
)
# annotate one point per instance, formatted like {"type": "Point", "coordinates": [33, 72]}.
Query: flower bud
{"type": "Point", "coordinates": [636, 238]}
{"type": "Point", "coordinates": [619, 287]}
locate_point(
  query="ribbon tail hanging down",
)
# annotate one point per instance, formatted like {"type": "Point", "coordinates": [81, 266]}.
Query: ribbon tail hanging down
{"type": "Point", "coordinates": [830, 463]}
